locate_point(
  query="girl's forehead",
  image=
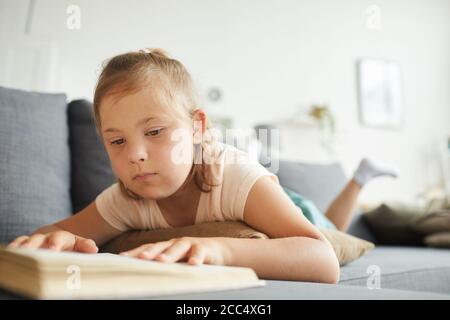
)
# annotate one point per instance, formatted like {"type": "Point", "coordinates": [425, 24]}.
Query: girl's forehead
{"type": "Point", "coordinates": [136, 104]}
{"type": "Point", "coordinates": [134, 118]}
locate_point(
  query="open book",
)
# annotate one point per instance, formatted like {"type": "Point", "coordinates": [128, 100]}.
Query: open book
{"type": "Point", "coordinates": [46, 274]}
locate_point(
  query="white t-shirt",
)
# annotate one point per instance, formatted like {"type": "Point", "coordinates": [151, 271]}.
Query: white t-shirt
{"type": "Point", "coordinates": [226, 202]}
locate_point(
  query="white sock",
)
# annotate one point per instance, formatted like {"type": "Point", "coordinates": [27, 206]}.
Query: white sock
{"type": "Point", "coordinates": [369, 169]}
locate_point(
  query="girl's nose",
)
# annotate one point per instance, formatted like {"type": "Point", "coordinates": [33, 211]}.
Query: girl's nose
{"type": "Point", "coordinates": [137, 154]}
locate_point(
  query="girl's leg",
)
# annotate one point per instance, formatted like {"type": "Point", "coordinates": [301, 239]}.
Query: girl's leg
{"type": "Point", "coordinates": [340, 211]}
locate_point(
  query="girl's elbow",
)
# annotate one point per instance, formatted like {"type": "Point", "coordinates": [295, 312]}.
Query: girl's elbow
{"type": "Point", "coordinates": [324, 266]}
{"type": "Point", "coordinates": [333, 274]}
{"type": "Point", "coordinates": [332, 270]}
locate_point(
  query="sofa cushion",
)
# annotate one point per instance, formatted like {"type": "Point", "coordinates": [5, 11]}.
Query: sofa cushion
{"type": "Point", "coordinates": [300, 290]}
{"type": "Point", "coordinates": [320, 183]}
{"type": "Point", "coordinates": [34, 161]}
{"type": "Point", "coordinates": [404, 268]}
{"type": "Point", "coordinates": [91, 171]}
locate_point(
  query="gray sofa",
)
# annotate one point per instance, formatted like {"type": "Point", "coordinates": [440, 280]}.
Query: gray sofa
{"type": "Point", "coordinates": [52, 165]}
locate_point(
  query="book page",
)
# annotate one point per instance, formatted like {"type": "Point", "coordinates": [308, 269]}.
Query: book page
{"type": "Point", "coordinates": [50, 258]}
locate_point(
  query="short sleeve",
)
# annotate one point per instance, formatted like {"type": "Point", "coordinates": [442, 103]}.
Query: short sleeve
{"type": "Point", "coordinates": [238, 180]}
{"type": "Point", "coordinates": [116, 208]}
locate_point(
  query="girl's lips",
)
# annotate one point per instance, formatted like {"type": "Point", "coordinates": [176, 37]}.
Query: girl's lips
{"type": "Point", "coordinates": [145, 177]}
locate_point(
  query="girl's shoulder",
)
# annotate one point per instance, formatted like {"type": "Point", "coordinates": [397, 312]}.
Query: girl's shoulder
{"type": "Point", "coordinates": [238, 172]}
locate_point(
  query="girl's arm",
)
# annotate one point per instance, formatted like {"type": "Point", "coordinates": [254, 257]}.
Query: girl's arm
{"type": "Point", "coordinates": [298, 251]}
{"type": "Point", "coordinates": [88, 223]}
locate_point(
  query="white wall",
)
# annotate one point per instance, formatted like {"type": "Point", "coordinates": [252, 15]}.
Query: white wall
{"type": "Point", "coordinates": [272, 57]}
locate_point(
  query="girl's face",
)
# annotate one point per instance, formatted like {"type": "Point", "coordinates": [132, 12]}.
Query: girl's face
{"type": "Point", "coordinates": [143, 136]}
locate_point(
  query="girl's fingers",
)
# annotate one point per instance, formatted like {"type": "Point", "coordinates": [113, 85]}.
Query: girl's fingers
{"type": "Point", "coordinates": [34, 242]}
{"type": "Point", "coordinates": [134, 252]}
{"type": "Point", "coordinates": [58, 241]}
{"type": "Point", "coordinates": [85, 245]}
{"type": "Point", "coordinates": [197, 255]}
{"type": "Point", "coordinates": [150, 250]}
{"type": "Point", "coordinates": [61, 241]}
{"type": "Point", "coordinates": [17, 242]}
{"type": "Point", "coordinates": [175, 252]}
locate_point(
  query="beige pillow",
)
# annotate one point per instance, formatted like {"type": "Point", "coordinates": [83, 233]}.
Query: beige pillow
{"type": "Point", "coordinates": [133, 239]}
{"type": "Point", "coordinates": [346, 247]}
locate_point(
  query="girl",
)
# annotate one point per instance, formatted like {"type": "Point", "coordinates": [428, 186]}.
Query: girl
{"type": "Point", "coordinates": [169, 175]}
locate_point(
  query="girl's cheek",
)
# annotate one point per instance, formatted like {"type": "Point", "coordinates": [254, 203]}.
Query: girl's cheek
{"type": "Point", "coordinates": [180, 155]}
{"type": "Point", "coordinates": [118, 161]}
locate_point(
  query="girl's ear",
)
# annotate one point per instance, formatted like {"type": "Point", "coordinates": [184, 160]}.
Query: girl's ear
{"type": "Point", "coordinates": [199, 125]}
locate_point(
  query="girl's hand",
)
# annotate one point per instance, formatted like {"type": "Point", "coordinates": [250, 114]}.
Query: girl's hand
{"type": "Point", "coordinates": [57, 240]}
{"type": "Point", "coordinates": [193, 250]}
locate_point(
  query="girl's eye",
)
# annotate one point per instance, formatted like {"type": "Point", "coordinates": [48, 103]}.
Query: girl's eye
{"type": "Point", "coordinates": [117, 141]}
{"type": "Point", "coordinates": [151, 133]}
{"type": "Point", "coordinates": [154, 132]}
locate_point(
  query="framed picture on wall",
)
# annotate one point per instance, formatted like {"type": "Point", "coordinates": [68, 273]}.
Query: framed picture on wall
{"type": "Point", "coordinates": [380, 93]}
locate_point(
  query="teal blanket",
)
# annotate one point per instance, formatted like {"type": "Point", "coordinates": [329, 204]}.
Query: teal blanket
{"type": "Point", "coordinates": [310, 211]}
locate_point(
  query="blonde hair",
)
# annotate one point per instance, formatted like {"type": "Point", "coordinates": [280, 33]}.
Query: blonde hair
{"type": "Point", "coordinates": [132, 71]}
